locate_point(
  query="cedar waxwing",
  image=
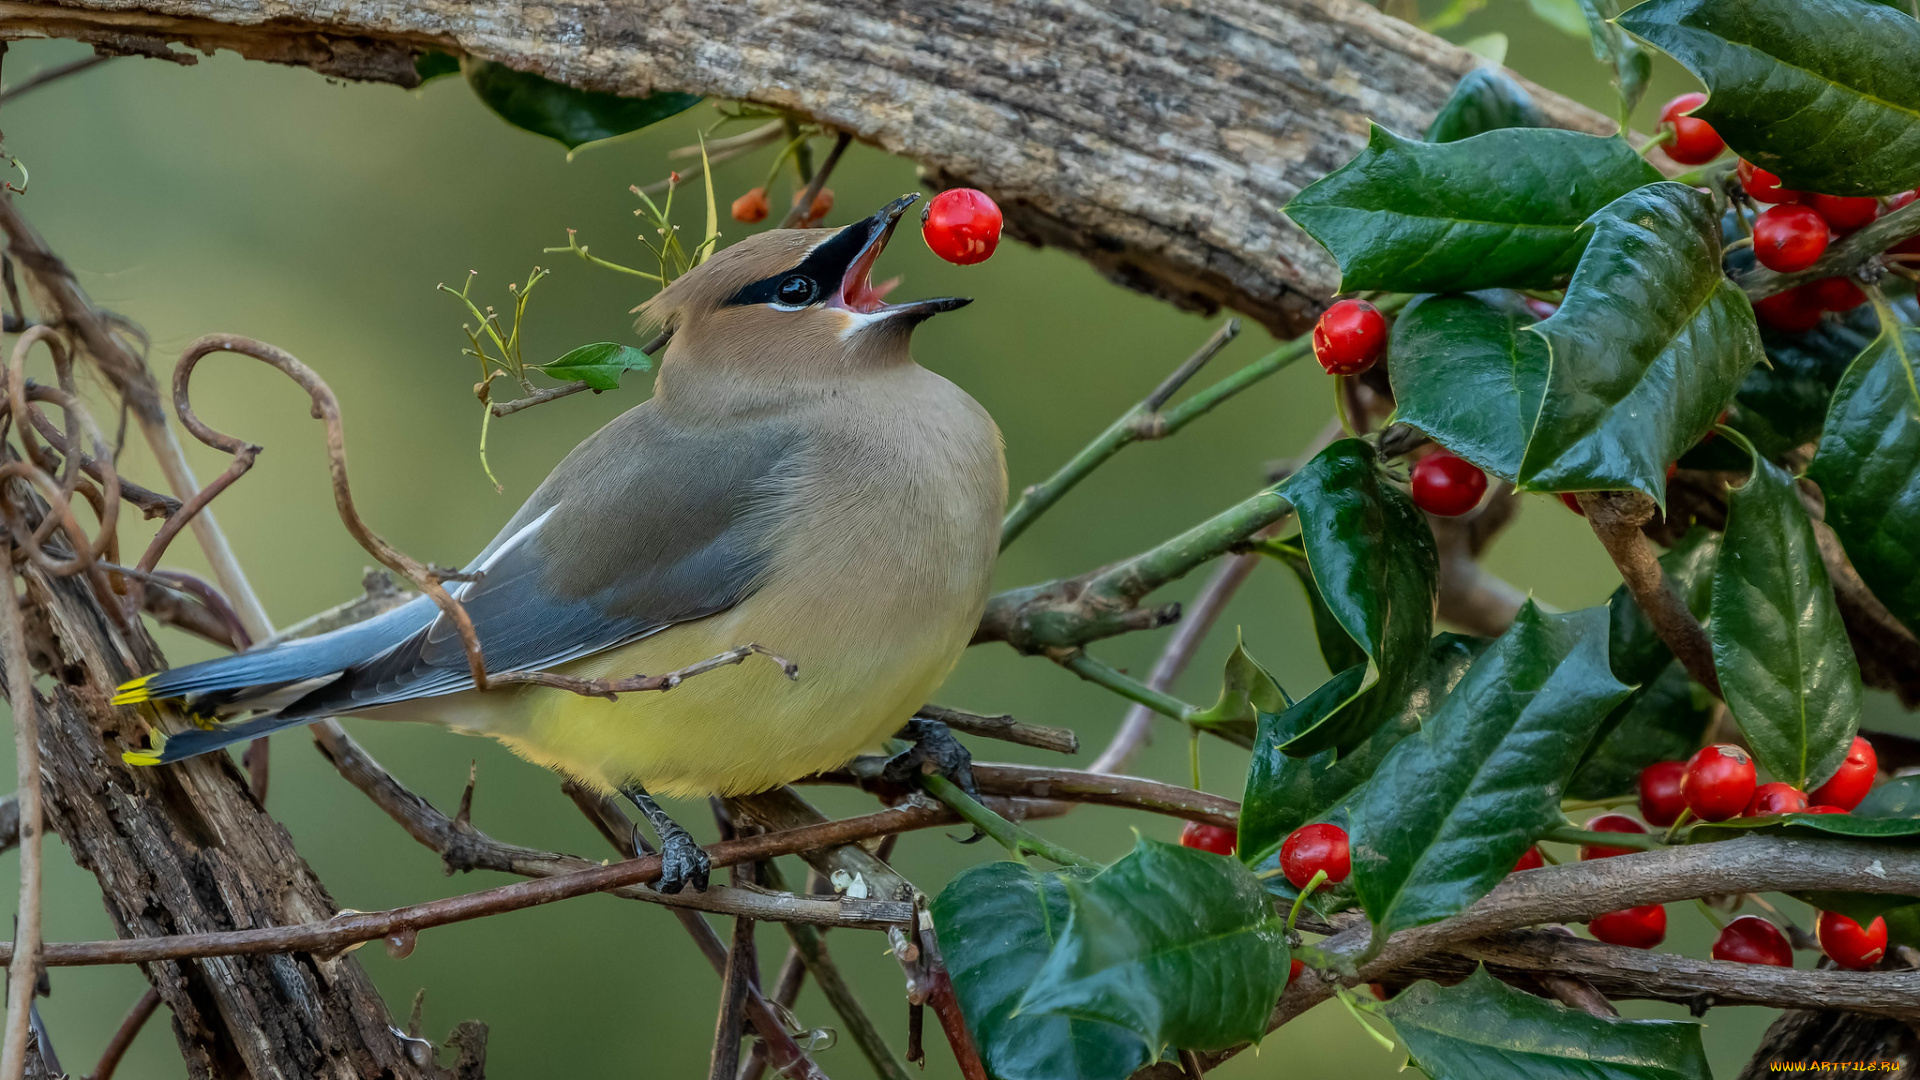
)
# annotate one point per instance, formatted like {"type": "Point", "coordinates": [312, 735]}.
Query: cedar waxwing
{"type": "Point", "coordinates": [796, 482]}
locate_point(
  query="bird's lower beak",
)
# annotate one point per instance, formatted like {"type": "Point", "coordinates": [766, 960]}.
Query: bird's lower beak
{"type": "Point", "coordinates": [857, 292]}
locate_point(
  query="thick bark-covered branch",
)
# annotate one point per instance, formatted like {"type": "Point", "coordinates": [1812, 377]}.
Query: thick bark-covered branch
{"type": "Point", "coordinates": [1158, 141]}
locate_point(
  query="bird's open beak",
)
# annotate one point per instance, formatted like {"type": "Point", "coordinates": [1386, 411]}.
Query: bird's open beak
{"type": "Point", "coordinates": [858, 294]}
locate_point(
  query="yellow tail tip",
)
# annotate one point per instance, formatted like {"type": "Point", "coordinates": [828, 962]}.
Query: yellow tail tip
{"type": "Point", "coordinates": [134, 692]}
{"type": "Point", "coordinates": [149, 756]}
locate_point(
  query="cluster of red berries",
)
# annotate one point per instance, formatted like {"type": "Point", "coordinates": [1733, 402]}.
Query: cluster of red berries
{"type": "Point", "coordinates": [961, 225]}
{"type": "Point", "coordinates": [1795, 229]}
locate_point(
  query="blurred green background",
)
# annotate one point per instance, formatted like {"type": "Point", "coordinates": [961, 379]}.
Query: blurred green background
{"type": "Point", "coordinates": [267, 201]}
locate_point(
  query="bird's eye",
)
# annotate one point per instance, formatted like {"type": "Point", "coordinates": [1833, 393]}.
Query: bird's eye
{"type": "Point", "coordinates": [797, 290]}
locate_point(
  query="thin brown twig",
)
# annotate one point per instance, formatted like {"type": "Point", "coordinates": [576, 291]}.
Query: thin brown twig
{"type": "Point", "coordinates": [1616, 518]}
{"type": "Point", "coordinates": [1071, 786]}
{"type": "Point", "coordinates": [730, 1026]}
{"type": "Point", "coordinates": [1004, 728]}
{"type": "Point", "coordinates": [22, 980]}
{"type": "Point", "coordinates": [59, 71]}
{"type": "Point", "coordinates": [124, 1035]}
{"type": "Point", "coordinates": [610, 689]}
{"type": "Point", "coordinates": [538, 397]}
{"type": "Point", "coordinates": [803, 205]}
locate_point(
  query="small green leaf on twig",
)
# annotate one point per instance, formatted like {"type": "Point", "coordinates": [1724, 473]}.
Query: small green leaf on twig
{"type": "Point", "coordinates": [599, 365]}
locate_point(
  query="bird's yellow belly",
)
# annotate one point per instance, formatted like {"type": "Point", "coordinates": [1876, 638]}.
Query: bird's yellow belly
{"type": "Point", "coordinates": [863, 670]}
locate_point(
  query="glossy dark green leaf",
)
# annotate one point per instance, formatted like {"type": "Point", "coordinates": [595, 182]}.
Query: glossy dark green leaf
{"type": "Point", "coordinates": [1501, 209]}
{"type": "Point", "coordinates": [1246, 690]}
{"type": "Point", "coordinates": [1786, 666]}
{"type": "Point", "coordinates": [1454, 805]}
{"type": "Point", "coordinates": [1820, 92]}
{"type": "Point", "coordinates": [997, 925]}
{"type": "Point", "coordinates": [1612, 46]}
{"type": "Point", "coordinates": [568, 116]}
{"type": "Point", "coordinates": [1868, 466]}
{"type": "Point", "coordinates": [1284, 792]}
{"type": "Point", "coordinates": [1464, 373]}
{"type": "Point", "coordinates": [1373, 559]}
{"type": "Point", "coordinates": [1338, 650]}
{"type": "Point", "coordinates": [1897, 798]}
{"type": "Point", "coordinates": [1648, 347]}
{"type": "Point", "coordinates": [1663, 721]}
{"type": "Point", "coordinates": [599, 365]}
{"type": "Point", "coordinates": [1485, 99]}
{"type": "Point", "coordinates": [1484, 1029]}
{"type": "Point", "coordinates": [1179, 946]}
{"type": "Point", "coordinates": [435, 65]}
{"type": "Point", "coordinates": [1782, 404]}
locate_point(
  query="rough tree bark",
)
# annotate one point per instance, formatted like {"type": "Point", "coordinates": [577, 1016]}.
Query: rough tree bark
{"type": "Point", "coordinates": [1156, 140]}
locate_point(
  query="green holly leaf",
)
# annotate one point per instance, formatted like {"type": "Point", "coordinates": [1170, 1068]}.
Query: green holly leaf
{"type": "Point", "coordinates": [1647, 348]}
{"type": "Point", "coordinates": [1786, 667]}
{"type": "Point", "coordinates": [1373, 559]}
{"type": "Point", "coordinates": [1897, 798]}
{"type": "Point", "coordinates": [599, 365]}
{"type": "Point", "coordinates": [1485, 99]}
{"type": "Point", "coordinates": [1782, 404]}
{"type": "Point", "coordinates": [1180, 947]}
{"type": "Point", "coordinates": [997, 923]}
{"type": "Point", "coordinates": [1868, 466]}
{"type": "Point", "coordinates": [1631, 65]}
{"type": "Point", "coordinates": [1284, 792]}
{"type": "Point", "coordinates": [1246, 690]}
{"type": "Point", "coordinates": [1663, 721]}
{"type": "Point", "coordinates": [1500, 209]}
{"type": "Point", "coordinates": [1819, 92]}
{"type": "Point", "coordinates": [1484, 1029]}
{"type": "Point", "coordinates": [1465, 373]}
{"type": "Point", "coordinates": [1338, 650]}
{"type": "Point", "coordinates": [1456, 804]}
{"type": "Point", "coordinates": [568, 116]}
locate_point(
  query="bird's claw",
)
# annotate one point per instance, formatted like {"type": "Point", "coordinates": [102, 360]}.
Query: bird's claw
{"type": "Point", "coordinates": [682, 861]}
{"type": "Point", "coordinates": [934, 750]}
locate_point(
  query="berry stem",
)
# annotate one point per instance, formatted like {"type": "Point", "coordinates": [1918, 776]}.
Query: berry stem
{"type": "Point", "coordinates": [1673, 830]}
{"type": "Point", "coordinates": [1346, 997]}
{"type": "Point", "coordinates": [1712, 915]}
{"type": "Point", "coordinates": [1319, 877]}
{"type": "Point", "coordinates": [1661, 138]}
{"type": "Point", "coordinates": [1014, 838]}
{"type": "Point", "coordinates": [1132, 689]}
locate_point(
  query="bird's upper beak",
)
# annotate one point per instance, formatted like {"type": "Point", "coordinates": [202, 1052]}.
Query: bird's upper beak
{"type": "Point", "coordinates": [857, 293]}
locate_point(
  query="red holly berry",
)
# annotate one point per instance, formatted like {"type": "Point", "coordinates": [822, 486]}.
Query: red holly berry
{"type": "Point", "coordinates": [1719, 782]}
{"type": "Point", "coordinates": [961, 225]}
{"type": "Point", "coordinates": [1619, 823]}
{"type": "Point", "coordinates": [1776, 798]}
{"type": "Point", "coordinates": [1636, 928]}
{"type": "Point", "coordinates": [1848, 943]}
{"type": "Point", "coordinates": [1312, 848]}
{"type": "Point", "coordinates": [1853, 780]}
{"type": "Point", "coordinates": [1789, 238]}
{"type": "Point", "coordinates": [1572, 503]}
{"type": "Point", "coordinates": [822, 206]}
{"type": "Point", "coordinates": [1762, 186]}
{"type": "Point", "coordinates": [1660, 798]}
{"type": "Point", "coordinates": [1204, 837]}
{"type": "Point", "coordinates": [1350, 337]}
{"type": "Point", "coordinates": [1751, 939]}
{"type": "Point", "coordinates": [1532, 860]}
{"type": "Point", "coordinates": [751, 207]}
{"type": "Point", "coordinates": [1823, 810]}
{"type": "Point", "coordinates": [1796, 311]}
{"type": "Point", "coordinates": [1694, 141]}
{"type": "Point", "coordinates": [1447, 485]}
{"type": "Point", "coordinates": [1294, 969]}
{"type": "Point", "coordinates": [1834, 294]}
{"type": "Point", "coordinates": [1845, 213]}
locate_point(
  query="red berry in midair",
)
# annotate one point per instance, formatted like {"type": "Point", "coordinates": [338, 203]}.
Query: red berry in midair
{"type": "Point", "coordinates": [961, 225]}
{"type": "Point", "coordinates": [1350, 337]}
{"type": "Point", "coordinates": [1762, 186]}
{"type": "Point", "coordinates": [751, 207]}
{"type": "Point", "coordinates": [1795, 311]}
{"type": "Point", "coordinates": [1789, 238]}
{"type": "Point", "coordinates": [1694, 141]}
{"type": "Point", "coordinates": [1848, 943]}
{"type": "Point", "coordinates": [1853, 780]}
{"type": "Point", "coordinates": [1719, 782]}
{"type": "Point", "coordinates": [1751, 939]}
{"type": "Point", "coordinates": [1313, 848]}
{"type": "Point", "coordinates": [1834, 294]}
{"type": "Point", "coordinates": [1776, 798]}
{"type": "Point", "coordinates": [1532, 860]}
{"type": "Point", "coordinates": [1619, 823]}
{"type": "Point", "coordinates": [1660, 798]}
{"type": "Point", "coordinates": [1204, 837]}
{"type": "Point", "coordinates": [1446, 485]}
{"type": "Point", "coordinates": [1845, 213]}
{"type": "Point", "coordinates": [1636, 928]}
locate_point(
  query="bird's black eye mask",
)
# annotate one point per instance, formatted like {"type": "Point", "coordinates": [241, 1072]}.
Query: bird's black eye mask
{"type": "Point", "coordinates": [814, 280]}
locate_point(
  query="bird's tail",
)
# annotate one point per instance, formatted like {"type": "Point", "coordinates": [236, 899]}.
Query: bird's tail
{"type": "Point", "coordinates": [166, 749]}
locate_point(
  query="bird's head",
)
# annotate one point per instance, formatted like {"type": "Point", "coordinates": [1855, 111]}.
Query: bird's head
{"type": "Point", "coordinates": [795, 299]}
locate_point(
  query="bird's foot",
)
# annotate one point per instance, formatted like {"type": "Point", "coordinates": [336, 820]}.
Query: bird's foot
{"type": "Point", "coordinates": [934, 750]}
{"type": "Point", "coordinates": [682, 861]}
